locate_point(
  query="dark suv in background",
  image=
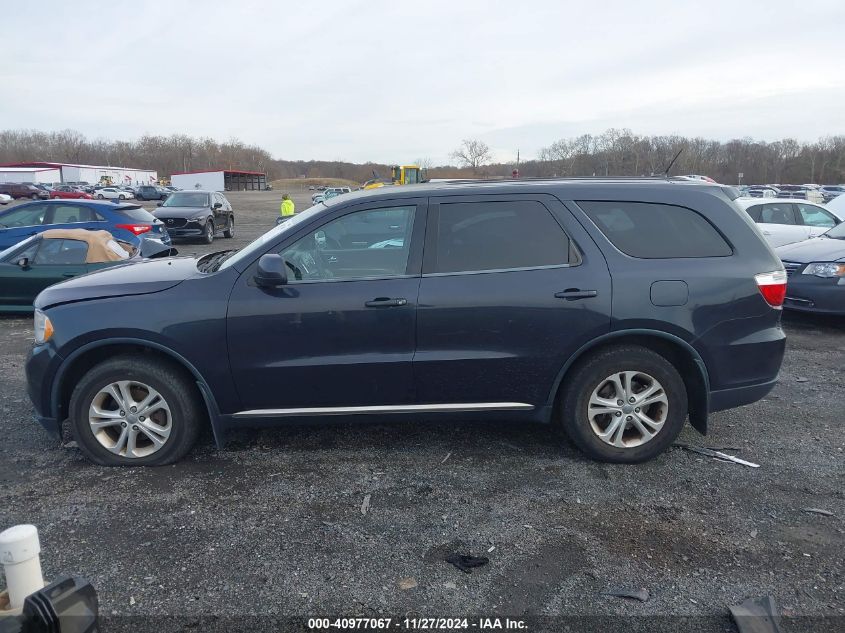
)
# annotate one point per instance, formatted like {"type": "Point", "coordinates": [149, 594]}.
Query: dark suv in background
{"type": "Point", "coordinates": [150, 192]}
{"type": "Point", "coordinates": [24, 191]}
{"type": "Point", "coordinates": [617, 309]}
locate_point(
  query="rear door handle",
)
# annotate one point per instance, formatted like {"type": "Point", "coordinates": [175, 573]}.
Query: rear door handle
{"type": "Point", "coordinates": [571, 294]}
{"type": "Point", "coordinates": [385, 302]}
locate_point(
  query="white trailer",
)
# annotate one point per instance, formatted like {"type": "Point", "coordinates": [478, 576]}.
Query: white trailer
{"type": "Point", "coordinates": [34, 175]}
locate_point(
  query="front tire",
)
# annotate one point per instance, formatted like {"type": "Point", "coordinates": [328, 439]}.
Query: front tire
{"type": "Point", "coordinates": [230, 231]}
{"type": "Point", "coordinates": [208, 236]}
{"type": "Point", "coordinates": [100, 196]}
{"type": "Point", "coordinates": [163, 426]}
{"type": "Point", "coordinates": [34, 196]}
{"type": "Point", "coordinates": [121, 197]}
{"type": "Point", "coordinates": [625, 404]}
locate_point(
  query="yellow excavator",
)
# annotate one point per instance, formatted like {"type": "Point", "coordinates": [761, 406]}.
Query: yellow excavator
{"type": "Point", "coordinates": [400, 175]}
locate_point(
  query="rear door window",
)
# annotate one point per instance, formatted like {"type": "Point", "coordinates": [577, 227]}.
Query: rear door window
{"type": "Point", "coordinates": [656, 231]}
{"type": "Point", "coordinates": [500, 235]}
{"type": "Point", "coordinates": [72, 213]}
{"type": "Point", "coordinates": [135, 213]}
{"type": "Point", "coordinates": [777, 214]}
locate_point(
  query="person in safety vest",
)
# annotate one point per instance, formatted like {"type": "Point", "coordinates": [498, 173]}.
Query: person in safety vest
{"type": "Point", "coordinates": [287, 208]}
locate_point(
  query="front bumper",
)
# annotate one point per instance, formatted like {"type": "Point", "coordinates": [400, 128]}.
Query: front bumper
{"type": "Point", "coordinates": [191, 229]}
{"type": "Point", "coordinates": [42, 364]}
{"type": "Point", "coordinates": [808, 293]}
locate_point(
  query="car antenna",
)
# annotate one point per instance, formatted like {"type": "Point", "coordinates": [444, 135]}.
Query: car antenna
{"type": "Point", "coordinates": [672, 162]}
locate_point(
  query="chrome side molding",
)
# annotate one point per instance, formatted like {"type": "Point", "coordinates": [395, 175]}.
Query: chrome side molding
{"type": "Point", "coordinates": [396, 408]}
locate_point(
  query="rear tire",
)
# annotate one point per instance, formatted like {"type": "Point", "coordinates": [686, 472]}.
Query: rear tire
{"type": "Point", "coordinates": [652, 412]}
{"type": "Point", "coordinates": [100, 196]}
{"type": "Point", "coordinates": [208, 236]}
{"type": "Point", "coordinates": [230, 231]}
{"type": "Point", "coordinates": [175, 424]}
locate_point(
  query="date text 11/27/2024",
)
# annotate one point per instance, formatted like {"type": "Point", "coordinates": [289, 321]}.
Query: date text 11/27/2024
{"type": "Point", "coordinates": [417, 624]}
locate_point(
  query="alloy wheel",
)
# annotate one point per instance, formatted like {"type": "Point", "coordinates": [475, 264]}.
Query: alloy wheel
{"type": "Point", "coordinates": [628, 409]}
{"type": "Point", "coordinates": [130, 419]}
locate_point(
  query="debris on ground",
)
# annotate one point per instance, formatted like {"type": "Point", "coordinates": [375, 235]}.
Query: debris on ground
{"type": "Point", "coordinates": [802, 379]}
{"type": "Point", "coordinates": [365, 505]}
{"type": "Point", "coordinates": [709, 452]}
{"type": "Point", "coordinates": [824, 513]}
{"type": "Point", "coordinates": [448, 455]}
{"type": "Point", "coordinates": [756, 615]}
{"type": "Point", "coordinates": [466, 562]}
{"type": "Point", "coordinates": [622, 592]}
{"type": "Point", "coordinates": [407, 583]}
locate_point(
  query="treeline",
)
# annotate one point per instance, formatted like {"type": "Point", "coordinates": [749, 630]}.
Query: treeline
{"type": "Point", "coordinates": [616, 152]}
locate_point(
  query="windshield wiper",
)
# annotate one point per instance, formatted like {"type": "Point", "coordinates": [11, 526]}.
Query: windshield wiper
{"type": "Point", "coordinates": [214, 261]}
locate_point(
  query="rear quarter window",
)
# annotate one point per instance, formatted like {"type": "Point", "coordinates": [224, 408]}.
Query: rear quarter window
{"type": "Point", "coordinates": [656, 231]}
{"type": "Point", "coordinates": [136, 214]}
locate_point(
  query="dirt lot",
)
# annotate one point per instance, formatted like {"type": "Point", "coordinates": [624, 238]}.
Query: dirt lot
{"type": "Point", "coordinates": [273, 525]}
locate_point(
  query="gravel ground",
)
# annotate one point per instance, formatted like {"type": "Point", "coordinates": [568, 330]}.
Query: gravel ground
{"type": "Point", "coordinates": [277, 524]}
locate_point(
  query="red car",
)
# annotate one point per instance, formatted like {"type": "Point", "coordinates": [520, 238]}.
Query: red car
{"type": "Point", "coordinates": [66, 191]}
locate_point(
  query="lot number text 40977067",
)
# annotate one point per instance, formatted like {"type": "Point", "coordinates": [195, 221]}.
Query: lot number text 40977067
{"type": "Point", "coordinates": [417, 624]}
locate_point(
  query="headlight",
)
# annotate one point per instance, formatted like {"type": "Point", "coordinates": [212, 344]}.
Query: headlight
{"type": "Point", "coordinates": [43, 327]}
{"type": "Point", "coordinates": [198, 218]}
{"type": "Point", "coordinates": [825, 269]}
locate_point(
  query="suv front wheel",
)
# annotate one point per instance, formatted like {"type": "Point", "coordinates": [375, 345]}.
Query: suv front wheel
{"type": "Point", "coordinates": [134, 411]}
{"type": "Point", "coordinates": [625, 404]}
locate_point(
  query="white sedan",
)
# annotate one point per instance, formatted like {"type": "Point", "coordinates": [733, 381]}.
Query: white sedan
{"type": "Point", "coordinates": [788, 221]}
{"type": "Point", "coordinates": [5, 198]}
{"type": "Point", "coordinates": [113, 193]}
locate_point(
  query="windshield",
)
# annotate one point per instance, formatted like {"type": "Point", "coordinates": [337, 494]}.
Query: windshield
{"type": "Point", "coordinates": [255, 247]}
{"type": "Point", "coordinates": [186, 199]}
{"type": "Point", "coordinates": [18, 247]}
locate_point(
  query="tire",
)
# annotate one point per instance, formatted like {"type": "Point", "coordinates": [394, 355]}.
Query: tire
{"type": "Point", "coordinates": [34, 196]}
{"type": "Point", "coordinates": [230, 231]}
{"type": "Point", "coordinates": [121, 197]}
{"type": "Point", "coordinates": [139, 198]}
{"type": "Point", "coordinates": [208, 236]}
{"type": "Point", "coordinates": [100, 196]}
{"type": "Point", "coordinates": [183, 417]}
{"type": "Point", "coordinates": [624, 442]}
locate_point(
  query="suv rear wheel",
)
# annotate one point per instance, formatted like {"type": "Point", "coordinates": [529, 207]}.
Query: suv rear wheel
{"type": "Point", "coordinates": [625, 404]}
{"type": "Point", "coordinates": [134, 411]}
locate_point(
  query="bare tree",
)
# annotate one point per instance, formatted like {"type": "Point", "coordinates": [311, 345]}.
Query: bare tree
{"type": "Point", "coordinates": [472, 153]}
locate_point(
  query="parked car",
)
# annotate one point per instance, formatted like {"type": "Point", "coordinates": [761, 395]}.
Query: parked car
{"type": "Point", "coordinates": [151, 192]}
{"type": "Point", "coordinates": [112, 193]}
{"type": "Point", "coordinates": [127, 222]}
{"type": "Point", "coordinates": [197, 214]}
{"type": "Point", "coordinates": [59, 254]}
{"type": "Point", "coordinates": [66, 192]}
{"type": "Point", "coordinates": [762, 191]}
{"type": "Point", "coordinates": [45, 187]}
{"type": "Point", "coordinates": [171, 188]}
{"type": "Point", "coordinates": [328, 193]}
{"type": "Point", "coordinates": [816, 273]}
{"type": "Point", "coordinates": [17, 191]}
{"type": "Point", "coordinates": [614, 308]}
{"type": "Point", "coordinates": [783, 222]}
{"type": "Point", "coordinates": [800, 192]}
{"type": "Point", "coordinates": [829, 192]}
{"type": "Point", "coordinates": [5, 199]}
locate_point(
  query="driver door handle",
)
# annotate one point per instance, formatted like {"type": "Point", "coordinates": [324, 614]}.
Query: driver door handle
{"type": "Point", "coordinates": [571, 294]}
{"type": "Point", "coordinates": [385, 302]}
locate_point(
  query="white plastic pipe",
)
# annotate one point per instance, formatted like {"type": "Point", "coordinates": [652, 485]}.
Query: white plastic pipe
{"type": "Point", "coordinates": [19, 554]}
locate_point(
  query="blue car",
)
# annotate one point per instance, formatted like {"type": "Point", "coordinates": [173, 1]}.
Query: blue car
{"type": "Point", "coordinates": [126, 222]}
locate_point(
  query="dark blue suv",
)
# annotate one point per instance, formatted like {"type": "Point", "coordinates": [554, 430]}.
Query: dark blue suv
{"type": "Point", "coordinates": [617, 309]}
{"type": "Point", "coordinates": [126, 222]}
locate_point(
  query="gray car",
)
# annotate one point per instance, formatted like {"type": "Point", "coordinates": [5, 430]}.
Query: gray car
{"type": "Point", "coordinates": [816, 273]}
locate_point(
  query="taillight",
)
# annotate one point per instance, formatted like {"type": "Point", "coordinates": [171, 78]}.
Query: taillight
{"type": "Point", "coordinates": [136, 229]}
{"type": "Point", "coordinates": [772, 286]}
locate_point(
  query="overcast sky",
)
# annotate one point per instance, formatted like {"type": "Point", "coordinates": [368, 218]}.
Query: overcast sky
{"type": "Point", "coordinates": [397, 81]}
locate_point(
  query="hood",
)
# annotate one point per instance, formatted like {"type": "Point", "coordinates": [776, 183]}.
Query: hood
{"type": "Point", "coordinates": [139, 278]}
{"type": "Point", "coordinates": [817, 249]}
{"type": "Point", "coordinates": [180, 212]}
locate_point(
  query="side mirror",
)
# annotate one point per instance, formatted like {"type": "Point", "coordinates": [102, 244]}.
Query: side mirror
{"type": "Point", "coordinates": [217, 205]}
{"type": "Point", "coordinates": [158, 204]}
{"type": "Point", "coordinates": [23, 262]}
{"type": "Point", "coordinates": [272, 271]}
